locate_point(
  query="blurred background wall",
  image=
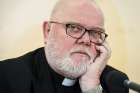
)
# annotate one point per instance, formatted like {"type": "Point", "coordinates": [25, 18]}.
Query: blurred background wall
{"type": "Point", "coordinates": [21, 30]}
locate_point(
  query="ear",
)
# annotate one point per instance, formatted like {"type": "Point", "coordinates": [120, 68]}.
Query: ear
{"type": "Point", "coordinates": [46, 30]}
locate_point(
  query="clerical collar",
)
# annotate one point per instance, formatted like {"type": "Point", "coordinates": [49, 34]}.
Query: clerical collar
{"type": "Point", "coordinates": [68, 82]}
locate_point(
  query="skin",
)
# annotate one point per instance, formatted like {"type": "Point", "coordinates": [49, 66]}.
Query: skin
{"type": "Point", "coordinates": [57, 43]}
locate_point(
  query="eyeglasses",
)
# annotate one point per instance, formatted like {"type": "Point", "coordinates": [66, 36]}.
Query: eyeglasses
{"type": "Point", "coordinates": [75, 30]}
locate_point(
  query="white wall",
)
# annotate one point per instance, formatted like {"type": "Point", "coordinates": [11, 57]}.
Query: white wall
{"type": "Point", "coordinates": [21, 25]}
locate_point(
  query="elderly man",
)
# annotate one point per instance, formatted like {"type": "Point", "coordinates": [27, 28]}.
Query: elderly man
{"type": "Point", "coordinates": [73, 59]}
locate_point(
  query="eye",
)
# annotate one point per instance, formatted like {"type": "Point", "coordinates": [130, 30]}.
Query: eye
{"type": "Point", "coordinates": [74, 28]}
{"type": "Point", "coordinates": [95, 34]}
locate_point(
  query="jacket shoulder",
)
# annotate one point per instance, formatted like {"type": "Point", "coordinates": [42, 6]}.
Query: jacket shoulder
{"type": "Point", "coordinates": [16, 73]}
{"type": "Point", "coordinates": [25, 61]}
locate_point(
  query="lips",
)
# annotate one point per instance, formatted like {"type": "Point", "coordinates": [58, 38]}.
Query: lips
{"type": "Point", "coordinates": [81, 53]}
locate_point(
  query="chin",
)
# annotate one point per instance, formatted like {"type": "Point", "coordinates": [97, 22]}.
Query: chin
{"type": "Point", "coordinates": [68, 69]}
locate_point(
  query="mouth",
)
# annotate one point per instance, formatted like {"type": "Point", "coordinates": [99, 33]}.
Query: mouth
{"type": "Point", "coordinates": [81, 53]}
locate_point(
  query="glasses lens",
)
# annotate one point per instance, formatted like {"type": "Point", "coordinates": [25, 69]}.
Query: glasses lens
{"type": "Point", "coordinates": [74, 30]}
{"type": "Point", "coordinates": [97, 37]}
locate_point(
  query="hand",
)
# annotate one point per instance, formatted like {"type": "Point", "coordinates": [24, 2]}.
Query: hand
{"type": "Point", "coordinates": [91, 78]}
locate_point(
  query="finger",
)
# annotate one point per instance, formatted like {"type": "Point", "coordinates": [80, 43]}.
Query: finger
{"type": "Point", "coordinates": [106, 45]}
{"type": "Point", "coordinates": [102, 59]}
{"type": "Point", "coordinates": [105, 50]}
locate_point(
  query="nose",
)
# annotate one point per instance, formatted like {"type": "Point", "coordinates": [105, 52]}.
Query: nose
{"type": "Point", "coordinates": [85, 39]}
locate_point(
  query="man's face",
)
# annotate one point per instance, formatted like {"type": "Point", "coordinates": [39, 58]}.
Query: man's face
{"type": "Point", "coordinates": [66, 55]}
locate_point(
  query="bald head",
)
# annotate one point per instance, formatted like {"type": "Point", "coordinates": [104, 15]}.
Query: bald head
{"type": "Point", "coordinates": [80, 11]}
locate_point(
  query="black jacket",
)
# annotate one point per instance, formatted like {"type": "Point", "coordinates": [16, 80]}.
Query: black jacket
{"type": "Point", "coordinates": [30, 73]}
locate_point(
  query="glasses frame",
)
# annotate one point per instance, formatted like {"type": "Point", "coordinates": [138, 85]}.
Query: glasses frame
{"type": "Point", "coordinates": [85, 29]}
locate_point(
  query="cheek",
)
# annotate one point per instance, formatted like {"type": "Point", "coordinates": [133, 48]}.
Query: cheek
{"type": "Point", "coordinates": [64, 42]}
